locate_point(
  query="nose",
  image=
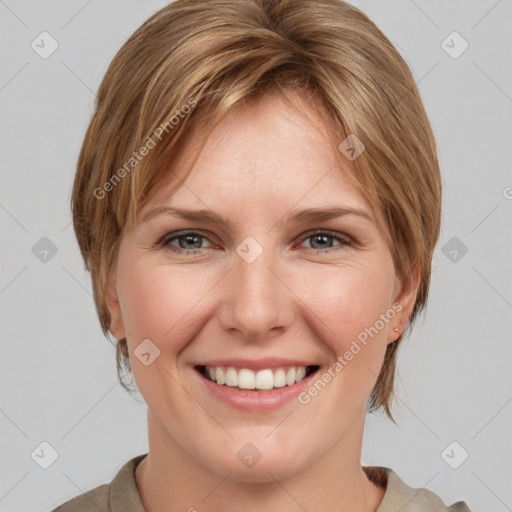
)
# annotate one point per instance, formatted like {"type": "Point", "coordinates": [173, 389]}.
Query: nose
{"type": "Point", "coordinates": [257, 303]}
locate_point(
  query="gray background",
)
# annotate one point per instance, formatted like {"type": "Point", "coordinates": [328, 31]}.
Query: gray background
{"type": "Point", "coordinates": [58, 375]}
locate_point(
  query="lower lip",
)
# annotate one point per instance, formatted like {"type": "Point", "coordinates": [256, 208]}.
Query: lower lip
{"type": "Point", "coordinates": [254, 400]}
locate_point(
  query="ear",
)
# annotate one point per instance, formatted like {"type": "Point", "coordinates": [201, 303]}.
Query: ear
{"type": "Point", "coordinates": [404, 298]}
{"type": "Point", "coordinates": [112, 302]}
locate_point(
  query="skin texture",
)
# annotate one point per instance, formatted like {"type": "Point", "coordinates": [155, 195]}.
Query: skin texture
{"type": "Point", "coordinates": [304, 297]}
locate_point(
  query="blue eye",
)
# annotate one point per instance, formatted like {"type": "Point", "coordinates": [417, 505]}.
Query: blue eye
{"type": "Point", "coordinates": [322, 238]}
{"type": "Point", "coordinates": [187, 240]}
{"type": "Point", "coordinates": [190, 242]}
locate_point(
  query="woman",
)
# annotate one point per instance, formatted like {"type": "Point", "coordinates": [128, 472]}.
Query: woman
{"type": "Point", "coordinates": [258, 200]}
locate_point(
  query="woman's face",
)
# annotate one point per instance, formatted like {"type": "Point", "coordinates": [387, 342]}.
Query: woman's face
{"type": "Point", "coordinates": [271, 290]}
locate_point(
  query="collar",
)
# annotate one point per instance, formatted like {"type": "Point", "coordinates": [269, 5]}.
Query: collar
{"type": "Point", "coordinates": [124, 495]}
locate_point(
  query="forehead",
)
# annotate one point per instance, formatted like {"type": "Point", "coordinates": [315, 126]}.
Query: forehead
{"type": "Point", "coordinates": [262, 158]}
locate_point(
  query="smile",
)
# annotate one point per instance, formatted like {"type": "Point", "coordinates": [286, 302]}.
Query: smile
{"type": "Point", "coordinates": [265, 379]}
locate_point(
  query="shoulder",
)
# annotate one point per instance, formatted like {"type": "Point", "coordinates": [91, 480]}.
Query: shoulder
{"type": "Point", "coordinates": [399, 496]}
{"type": "Point", "coordinates": [96, 499]}
{"type": "Point", "coordinates": [119, 495]}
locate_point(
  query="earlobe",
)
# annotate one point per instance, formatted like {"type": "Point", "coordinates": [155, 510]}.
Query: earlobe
{"type": "Point", "coordinates": [114, 309]}
{"type": "Point", "coordinates": [406, 299]}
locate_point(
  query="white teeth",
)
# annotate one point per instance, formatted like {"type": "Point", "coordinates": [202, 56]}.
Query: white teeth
{"type": "Point", "coordinates": [246, 379]}
{"type": "Point", "coordinates": [263, 379]}
{"type": "Point", "coordinates": [231, 377]}
{"type": "Point", "coordinates": [290, 377]}
{"type": "Point", "coordinates": [219, 376]}
{"type": "Point", "coordinates": [279, 378]}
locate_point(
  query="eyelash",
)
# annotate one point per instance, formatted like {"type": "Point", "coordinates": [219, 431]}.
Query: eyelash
{"type": "Point", "coordinates": [164, 242]}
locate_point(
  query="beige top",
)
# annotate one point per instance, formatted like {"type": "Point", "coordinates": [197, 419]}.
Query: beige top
{"type": "Point", "coordinates": [122, 495]}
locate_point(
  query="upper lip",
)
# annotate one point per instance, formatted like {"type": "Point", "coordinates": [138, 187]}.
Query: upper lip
{"type": "Point", "coordinates": [256, 364]}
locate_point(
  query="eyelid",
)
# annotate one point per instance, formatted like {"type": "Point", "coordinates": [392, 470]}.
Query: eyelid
{"type": "Point", "coordinates": [343, 239]}
{"type": "Point", "coordinates": [334, 234]}
{"type": "Point", "coordinates": [176, 234]}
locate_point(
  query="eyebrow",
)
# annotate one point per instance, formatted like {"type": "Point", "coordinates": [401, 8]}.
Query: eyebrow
{"type": "Point", "coordinates": [295, 216]}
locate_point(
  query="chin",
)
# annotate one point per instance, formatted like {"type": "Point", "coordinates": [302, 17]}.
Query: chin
{"type": "Point", "coordinates": [265, 470]}
{"type": "Point", "coordinates": [256, 459]}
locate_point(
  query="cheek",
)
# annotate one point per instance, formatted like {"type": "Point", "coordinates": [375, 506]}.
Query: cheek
{"type": "Point", "coordinates": [350, 302]}
{"type": "Point", "coordinates": [350, 298]}
{"type": "Point", "coordinates": [170, 303]}
{"type": "Point", "coordinates": [158, 302]}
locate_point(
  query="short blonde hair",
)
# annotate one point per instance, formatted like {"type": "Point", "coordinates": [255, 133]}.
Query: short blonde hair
{"type": "Point", "coordinates": [194, 61]}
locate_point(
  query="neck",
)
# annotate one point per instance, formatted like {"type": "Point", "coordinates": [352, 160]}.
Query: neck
{"type": "Point", "coordinates": [169, 479]}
